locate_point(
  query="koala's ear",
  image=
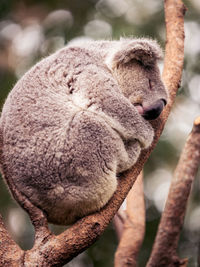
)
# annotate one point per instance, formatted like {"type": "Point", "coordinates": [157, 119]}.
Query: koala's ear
{"type": "Point", "coordinates": [144, 50]}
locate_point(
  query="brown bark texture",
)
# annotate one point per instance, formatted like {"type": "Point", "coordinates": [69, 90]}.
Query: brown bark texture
{"type": "Point", "coordinates": [166, 242]}
{"type": "Point", "coordinates": [50, 250]}
{"type": "Point", "coordinates": [10, 254]}
{"type": "Point", "coordinates": [133, 227]}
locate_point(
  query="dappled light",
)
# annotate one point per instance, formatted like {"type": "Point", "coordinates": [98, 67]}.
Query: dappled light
{"type": "Point", "coordinates": [157, 186]}
{"type": "Point", "coordinates": [98, 29]}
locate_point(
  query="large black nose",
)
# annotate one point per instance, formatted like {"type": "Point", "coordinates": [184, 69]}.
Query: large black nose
{"type": "Point", "coordinates": [153, 111]}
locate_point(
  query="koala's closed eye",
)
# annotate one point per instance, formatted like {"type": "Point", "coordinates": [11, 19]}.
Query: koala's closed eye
{"type": "Point", "coordinates": [89, 121]}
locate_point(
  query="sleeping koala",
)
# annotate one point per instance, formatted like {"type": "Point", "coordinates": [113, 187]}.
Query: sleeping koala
{"type": "Point", "coordinates": [77, 119]}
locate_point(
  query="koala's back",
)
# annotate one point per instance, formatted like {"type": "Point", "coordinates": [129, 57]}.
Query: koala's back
{"type": "Point", "coordinates": [54, 149]}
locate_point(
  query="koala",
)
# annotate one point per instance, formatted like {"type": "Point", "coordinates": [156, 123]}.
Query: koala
{"type": "Point", "coordinates": [76, 120]}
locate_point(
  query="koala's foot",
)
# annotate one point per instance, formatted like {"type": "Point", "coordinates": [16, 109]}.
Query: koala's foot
{"type": "Point", "coordinates": [78, 201]}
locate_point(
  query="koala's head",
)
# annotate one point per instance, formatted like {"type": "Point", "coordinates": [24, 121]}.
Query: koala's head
{"type": "Point", "coordinates": [134, 65]}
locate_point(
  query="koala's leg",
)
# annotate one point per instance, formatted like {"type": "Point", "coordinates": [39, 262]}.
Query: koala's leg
{"type": "Point", "coordinates": [90, 178]}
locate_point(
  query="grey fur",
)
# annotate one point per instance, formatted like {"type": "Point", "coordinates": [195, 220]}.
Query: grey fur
{"type": "Point", "coordinates": [69, 125]}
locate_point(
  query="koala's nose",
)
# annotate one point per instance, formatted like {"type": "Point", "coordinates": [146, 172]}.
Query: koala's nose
{"type": "Point", "coordinates": [153, 111]}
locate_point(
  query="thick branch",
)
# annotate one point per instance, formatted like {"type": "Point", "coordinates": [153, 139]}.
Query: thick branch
{"type": "Point", "coordinates": [173, 216]}
{"type": "Point", "coordinates": [134, 227]}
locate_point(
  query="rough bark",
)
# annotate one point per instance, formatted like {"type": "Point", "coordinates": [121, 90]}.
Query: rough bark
{"type": "Point", "coordinates": [172, 219]}
{"type": "Point", "coordinates": [50, 250]}
{"type": "Point", "coordinates": [133, 227]}
{"type": "Point", "coordinates": [10, 254]}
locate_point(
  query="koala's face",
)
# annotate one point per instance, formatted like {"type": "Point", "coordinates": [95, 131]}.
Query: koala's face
{"type": "Point", "coordinates": [143, 86]}
{"type": "Point", "coordinates": [136, 70]}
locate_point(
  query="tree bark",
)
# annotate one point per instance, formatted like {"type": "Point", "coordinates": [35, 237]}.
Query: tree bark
{"type": "Point", "coordinates": [10, 254]}
{"type": "Point", "coordinates": [133, 227]}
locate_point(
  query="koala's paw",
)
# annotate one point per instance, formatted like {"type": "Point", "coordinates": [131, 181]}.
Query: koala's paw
{"type": "Point", "coordinates": [145, 135]}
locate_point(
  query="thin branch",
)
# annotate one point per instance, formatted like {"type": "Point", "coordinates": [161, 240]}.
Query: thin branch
{"type": "Point", "coordinates": [134, 227]}
{"type": "Point", "coordinates": [172, 219]}
{"type": "Point", "coordinates": [119, 220]}
{"type": "Point", "coordinates": [57, 250]}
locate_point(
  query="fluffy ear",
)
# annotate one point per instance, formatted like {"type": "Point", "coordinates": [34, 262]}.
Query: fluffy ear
{"type": "Point", "coordinates": [144, 50]}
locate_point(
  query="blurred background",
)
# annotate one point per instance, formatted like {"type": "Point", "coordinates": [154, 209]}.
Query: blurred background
{"type": "Point", "coordinates": [30, 30]}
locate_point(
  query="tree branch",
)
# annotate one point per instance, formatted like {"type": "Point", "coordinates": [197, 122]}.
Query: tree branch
{"type": "Point", "coordinates": [57, 250]}
{"type": "Point", "coordinates": [173, 215]}
{"type": "Point", "coordinates": [10, 253]}
{"type": "Point", "coordinates": [133, 228]}
{"type": "Point", "coordinates": [119, 220]}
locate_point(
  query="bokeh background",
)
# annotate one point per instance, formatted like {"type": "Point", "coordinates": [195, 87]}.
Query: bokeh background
{"type": "Point", "coordinates": [33, 29]}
